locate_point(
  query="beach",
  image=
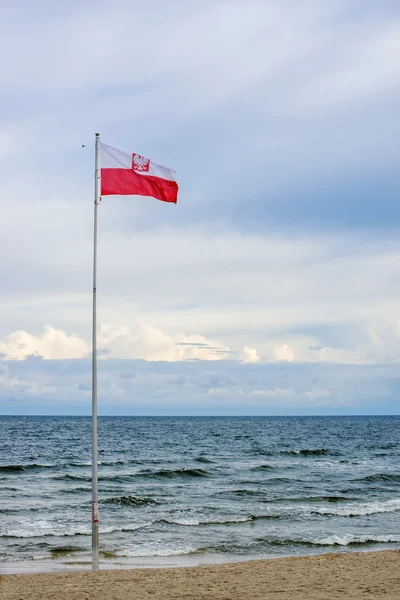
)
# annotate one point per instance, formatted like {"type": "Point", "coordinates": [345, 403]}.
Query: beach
{"type": "Point", "coordinates": [328, 576]}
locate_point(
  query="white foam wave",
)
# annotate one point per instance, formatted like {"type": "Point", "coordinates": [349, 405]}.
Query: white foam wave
{"type": "Point", "coordinates": [153, 551]}
{"type": "Point", "coordinates": [124, 528]}
{"type": "Point", "coordinates": [348, 539]}
{"type": "Point", "coordinates": [33, 533]}
{"type": "Point", "coordinates": [360, 509]}
{"type": "Point", "coordinates": [48, 530]}
{"type": "Point", "coordinates": [193, 522]}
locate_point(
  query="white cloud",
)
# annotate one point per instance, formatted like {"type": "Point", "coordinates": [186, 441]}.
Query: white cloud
{"type": "Point", "coordinates": [250, 355]}
{"type": "Point", "coordinates": [151, 343]}
{"type": "Point", "coordinates": [275, 393]}
{"type": "Point", "coordinates": [145, 342]}
{"type": "Point", "coordinates": [292, 397]}
{"type": "Point", "coordinates": [289, 109]}
{"type": "Point", "coordinates": [316, 394]}
{"type": "Point", "coordinates": [337, 355]}
{"type": "Point", "coordinates": [219, 392]}
{"type": "Point", "coordinates": [308, 349]}
{"type": "Point", "coordinates": [213, 387]}
{"type": "Point", "coordinates": [265, 66]}
{"type": "Point", "coordinates": [284, 352]}
{"type": "Point", "coordinates": [53, 344]}
{"type": "Point", "coordinates": [287, 298]}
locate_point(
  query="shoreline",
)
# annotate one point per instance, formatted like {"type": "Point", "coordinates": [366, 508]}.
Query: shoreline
{"type": "Point", "coordinates": [70, 563]}
{"type": "Point", "coordinates": [369, 574]}
{"type": "Point", "coordinates": [83, 563]}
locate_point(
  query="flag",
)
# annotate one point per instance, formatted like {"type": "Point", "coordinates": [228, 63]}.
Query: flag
{"type": "Point", "coordinates": [125, 174]}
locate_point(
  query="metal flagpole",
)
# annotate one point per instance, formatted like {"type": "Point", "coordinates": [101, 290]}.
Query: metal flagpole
{"type": "Point", "coordinates": [95, 492]}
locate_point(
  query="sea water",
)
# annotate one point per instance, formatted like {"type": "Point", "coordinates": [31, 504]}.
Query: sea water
{"type": "Point", "coordinates": [197, 490]}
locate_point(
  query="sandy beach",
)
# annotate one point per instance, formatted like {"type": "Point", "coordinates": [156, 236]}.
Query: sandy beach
{"type": "Point", "coordinates": [329, 576]}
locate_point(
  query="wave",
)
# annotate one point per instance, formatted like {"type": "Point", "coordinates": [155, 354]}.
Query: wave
{"type": "Point", "coordinates": [68, 477]}
{"type": "Point", "coordinates": [172, 473]}
{"type": "Point", "coordinates": [117, 478]}
{"type": "Point", "coordinates": [265, 467]}
{"type": "Point", "coordinates": [125, 477]}
{"type": "Point", "coordinates": [310, 452]}
{"type": "Point", "coordinates": [347, 539]}
{"type": "Point", "coordinates": [197, 522]}
{"type": "Point", "coordinates": [203, 459]}
{"type": "Point", "coordinates": [126, 528]}
{"type": "Point", "coordinates": [109, 554]}
{"type": "Point", "coordinates": [220, 549]}
{"type": "Point", "coordinates": [77, 490]}
{"type": "Point", "coordinates": [113, 463]}
{"type": "Point", "coordinates": [360, 510]}
{"type": "Point", "coordinates": [88, 478]}
{"type": "Point", "coordinates": [377, 477]}
{"type": "Point", "coordinates": [122, 478]}
{"type": "Point", "coordinates": [332, 499]}
{"type": "Point", "coordinates": [70, 532]}
{"type": "Point", "coordinates": [314, 499]}
{"type": "Point", "coordinates": [60, 551]}
{"type": "Point", "coordinates": [193, 522]}
{"type": "Point", "coordinates": [356, 540]}
{"type": "Point", "coordinates": [21, 534]}
{"type": "Point", "coordinates": [242, 492]}
{"type": "Point", "coordinates": [260, 452]}
{"type": "Point", "coordinates": [130, 501]}
{"type": "Point", "coordinates": [24, 467]}
{"type": "Point", "coordinates": [107, 463]}
{"type": "Point", "coordinates": [149, 552]}
{"type": "Point", "coordinates": [273, 480]}
{"type": "Point", "coordinates": [388, 446]}
{"type": "Point", "coordinates": [104, 463]}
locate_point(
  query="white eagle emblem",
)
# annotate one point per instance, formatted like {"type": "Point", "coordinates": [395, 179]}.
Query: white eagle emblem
{"type": "Point", "coordinates": [139, 163]}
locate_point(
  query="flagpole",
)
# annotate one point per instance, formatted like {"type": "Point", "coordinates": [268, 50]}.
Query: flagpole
{"type": "Point", "coordinates": [95, 492]}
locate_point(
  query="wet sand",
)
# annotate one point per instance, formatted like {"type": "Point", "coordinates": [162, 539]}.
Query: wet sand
{"type": "Point", "coordinates": [328, 576]}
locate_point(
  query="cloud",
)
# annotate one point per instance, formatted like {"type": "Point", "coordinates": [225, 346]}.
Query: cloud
{"type": "Point", "coordinates": [317, 394]}
{"type": "Point", "coordinates": [289, 397]}
{"type": "Point", "coordinates": [284, 352]}
{"type": "Point", "coordinates": [219, 392]}
{"type": "Point", "coordinates": [151, 343]}
{"type": "Point", "coordinates": [288, 298]}
{"type": "Point", "coordinates": [284, 95]}
{"type": "Point", "coordinates": [250, 355]}
{"type": "Point", "coordinates": [283, 130]}
{"type": "Point", "coordinates": [275, 393]}
{"type": "Point", "coordinates": [138, 387]}
{"type": "Point", "coordinates": [306, 349]}
{"type": "Point", "coordinates": [52, 344]}
{"type": "Point", "coordinates": [146, 342]}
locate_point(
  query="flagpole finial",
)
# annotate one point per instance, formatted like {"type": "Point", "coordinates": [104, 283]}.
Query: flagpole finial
{"type": "Point", "coordinates": [97, 134]}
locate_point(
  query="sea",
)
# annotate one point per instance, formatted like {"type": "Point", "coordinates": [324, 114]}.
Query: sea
{"type": "Point", "coordinates": [195, 490]}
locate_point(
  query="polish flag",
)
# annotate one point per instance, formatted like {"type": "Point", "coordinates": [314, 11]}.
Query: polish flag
{"type": "Point", "coordinates": [125, 174]}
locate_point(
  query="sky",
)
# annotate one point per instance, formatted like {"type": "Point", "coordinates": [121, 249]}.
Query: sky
{"type": "Point", "coordinates": [273, 286]}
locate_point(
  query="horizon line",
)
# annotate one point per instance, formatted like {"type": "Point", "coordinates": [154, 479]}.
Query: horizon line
{"type": "Point", "coordinates": [89, 416]}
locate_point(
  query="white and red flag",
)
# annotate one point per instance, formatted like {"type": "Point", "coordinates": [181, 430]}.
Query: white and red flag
{"type": "Point", "coordinates": [125, 174]}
